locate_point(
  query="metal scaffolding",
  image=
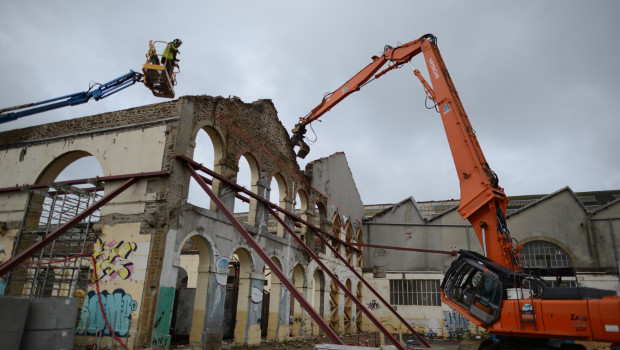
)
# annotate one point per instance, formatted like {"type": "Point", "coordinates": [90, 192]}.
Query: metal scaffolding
{"type": "Point", "coordinates": [55, 271]}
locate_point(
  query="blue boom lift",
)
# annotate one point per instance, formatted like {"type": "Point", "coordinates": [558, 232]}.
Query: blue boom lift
{"type": "Point", "coordinates": [155, 77]}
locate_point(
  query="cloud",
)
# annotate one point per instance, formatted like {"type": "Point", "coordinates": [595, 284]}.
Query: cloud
{"type": "Point", "coordinates": [538, 81]}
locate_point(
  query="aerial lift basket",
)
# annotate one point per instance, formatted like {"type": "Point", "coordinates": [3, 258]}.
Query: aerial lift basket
{"type": "Point", "coordinates": [156, 77]}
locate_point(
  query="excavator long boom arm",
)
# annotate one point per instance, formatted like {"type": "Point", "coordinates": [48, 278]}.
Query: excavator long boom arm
{"type": "Point", "coordinates": [485, 289]}
{"type": "Point", "coordinates": [483, 202]}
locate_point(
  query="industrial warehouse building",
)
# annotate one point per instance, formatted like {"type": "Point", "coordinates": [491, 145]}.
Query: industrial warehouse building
{"type": "Point", "coordinates": [171, 269]}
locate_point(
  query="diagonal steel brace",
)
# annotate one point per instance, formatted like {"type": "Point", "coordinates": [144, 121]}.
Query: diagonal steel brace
{"type": "Point", "coordinates": [298, 219]}
{"type": "Point", "coordinates": [266, 259]}
{"type": "Point", "coordinates": [18, 259]}
{"type": "Point", "coordinates": [334, 278]}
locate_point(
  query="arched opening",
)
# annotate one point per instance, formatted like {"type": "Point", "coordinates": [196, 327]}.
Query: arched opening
{"type": "Point", "coordinates": [336, 229]}
{"type": "Point", "coordinates": [360, 253]}
{"type": "Point", "coordinates": [247, 176]}
{"type": "Point", "coordinates": [46, 210]}
{"type": "Point", "coordinates": [277, 195]}
{"type": "Point", "coordinates": [240, 269]}
{"type": "Point", "coordinates": [318, 296]}
{"type": "Point", "coordinates": [296, 312]}
{"type": "Point", "coordinates": [183, 305]}
{"type": "Point", "coordinates": [274, 288]}
{"type": "Point", "coordinates": [348, 309]}
{"type": "Point", "coordinates": [550, 262]}
{"type": "Point", "coordinates": [301, 202]}
{"type": "Point", "coordinates": [301, 210]}
{"type": "Point", "coordinates": [348, 251]}
{"type": "Point", "coordinates": [334, 317]}
{"type": "Point", "coordinates": [190, 303]}
{"type": "Point", "coordinates": [205, 154]}
{"type": "Point", "coordinates": [320, 221]}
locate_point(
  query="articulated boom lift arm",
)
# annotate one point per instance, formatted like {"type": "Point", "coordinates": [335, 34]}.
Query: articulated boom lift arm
{"type": "Point", "coordinates": [156, 77]}
{"type": "Point", "coordinates": [483, 202]}
{"type": "Point", "coordinates": [103, 91]}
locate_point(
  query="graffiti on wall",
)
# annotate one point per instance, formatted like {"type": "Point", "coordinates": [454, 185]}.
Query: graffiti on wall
{"type": "Point", "coordinates": [221, 277]}
{"type": "Point", "coordinates": [374, 305]}
{"type": "Point", "coordinates": [113, 259]}
{"type": "Point", "coordinates": [161, 329]}
{"type": "Point", "coordinates": [117, 306]}
{"type": "Point", "coordinates": [454, 322]}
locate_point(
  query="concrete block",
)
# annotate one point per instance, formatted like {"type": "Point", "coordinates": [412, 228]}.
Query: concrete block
{"type": "Point", "coordinates": [52, 313]}
{"type": "Point", "coordinates": [50, 324]}
{"type": "Point", "coordinates": [12, 321]}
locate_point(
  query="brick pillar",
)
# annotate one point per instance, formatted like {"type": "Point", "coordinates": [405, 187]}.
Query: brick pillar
{"type": "Point", "coordinates": [255, 304]}
{"type": "Point", "coordinates": [288, 206]}
{"type": "Point", "coordinates": [214, 315]}
{"type": "Point", "coordinates": [306, 231]}
{"type": "Point", "coordinates": [283, 321]}
{"type": "Point", "coordinates": [259, 217]}
{"type": "Point", "coordinates": [224, 191]}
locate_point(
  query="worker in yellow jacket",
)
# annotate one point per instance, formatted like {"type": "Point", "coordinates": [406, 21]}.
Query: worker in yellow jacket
{"type": "Point", "coordinates": [169, 57]}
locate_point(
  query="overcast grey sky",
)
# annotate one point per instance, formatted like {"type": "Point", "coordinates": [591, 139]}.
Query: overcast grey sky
{"type": "Point", "coordinates": [538, 79]}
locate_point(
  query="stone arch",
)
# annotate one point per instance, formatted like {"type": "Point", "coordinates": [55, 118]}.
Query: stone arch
{"type": "Point", "coordinates": [321, 213]}
{"type": "Point", "coordinates": [274, 319]}
{"type": "Point", "coordinates": [296, 312]}
{"type": "Point", "coordinates": [279, 198]}
{"type": "Point", "coordinates": [194, 255]}
{"type": "Point", "coordinates": [216, 140]}
{"type": "Point", "coordinates": [301, 201]}
{"type": "Point", "coordinates": [208, 149]}
{"type": "Point", "coordinates": [360, 240]}
{"type": "Point", "coordinates": [348, 251]}
{"type": "Point", "coordinates": [358, 310]}
{"type": "Point", "coordinates": [347, 315]}
{"type": "Point", "coordinates": [252, 182]}
{"type": "Point", "coordinates": [334, 316]}
{"type": "Point", "coordinates": [244, 272]}
{"type": "Point", "coordinates": [320, 221]}
{"type": "Point", "coordinates": [46, 210]}
{"type": "Point", "coordinates": [301, 210]}
{"type": "Point", "coordinates": [336, 229]}
{"type": "Point", "coordinates": [318, 289]}
{"type": "Point", "coordinates": [58, 164]}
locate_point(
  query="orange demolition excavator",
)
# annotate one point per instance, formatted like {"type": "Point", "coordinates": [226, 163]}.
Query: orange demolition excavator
{"type": "Point", "coordinates": [491, 290]}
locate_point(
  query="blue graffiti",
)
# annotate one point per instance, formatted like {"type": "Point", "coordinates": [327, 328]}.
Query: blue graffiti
{"type": "Point", "coordinates": [117, 307]}
{"type": "Point", "coordinates": [373, 305]}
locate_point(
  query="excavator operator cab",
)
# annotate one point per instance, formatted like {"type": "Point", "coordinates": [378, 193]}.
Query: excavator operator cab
{"type": "Point", "coordinates": [476, 285]}
{"type": "Point", "coordinates": [160, 80]}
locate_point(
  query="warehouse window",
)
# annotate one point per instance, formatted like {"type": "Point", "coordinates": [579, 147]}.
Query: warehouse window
{"type": "Point", "coordinates": [550, 262]}
{"type": "Point", "coordinates": [415, 292]}
{"type": "Point", "coordinates": [542, 254]}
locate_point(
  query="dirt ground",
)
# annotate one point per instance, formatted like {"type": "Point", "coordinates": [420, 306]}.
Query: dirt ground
{"type": "Point", "coordinates": [438, 344]}
{"type": "Point", "coordinates": [311, 343]}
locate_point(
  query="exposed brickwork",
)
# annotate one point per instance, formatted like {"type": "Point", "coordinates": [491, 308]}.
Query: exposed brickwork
{"type": "Point", "coordinates": [258, 121]}
{"type": "Point", "coordinates": [70, 128]}
{"type": "Point", "coordinates": [256, 126]}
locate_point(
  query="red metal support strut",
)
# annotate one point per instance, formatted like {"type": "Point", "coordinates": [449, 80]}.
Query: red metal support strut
{"type": "Point", "coordinates": [263, 255]}
{"type": "Point", "coordinates": [28, 252]}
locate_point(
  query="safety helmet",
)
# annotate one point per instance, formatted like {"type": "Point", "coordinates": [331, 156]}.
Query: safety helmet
{"type": "Point", "coordinates": [177, 42]}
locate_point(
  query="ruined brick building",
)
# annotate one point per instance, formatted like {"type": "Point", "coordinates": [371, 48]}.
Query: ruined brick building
{"type": "Point", "coordinates": [172, 271]}
{"type": "Point", "coordinates": [142, 237]}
